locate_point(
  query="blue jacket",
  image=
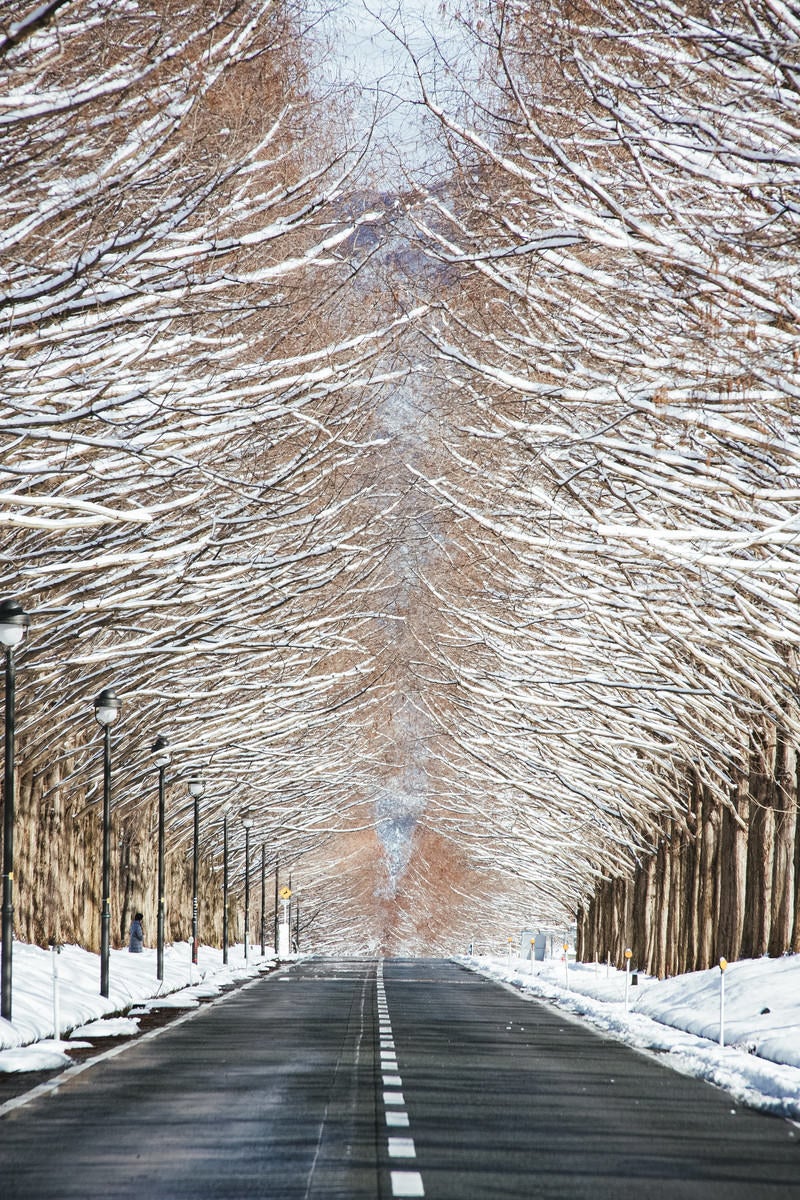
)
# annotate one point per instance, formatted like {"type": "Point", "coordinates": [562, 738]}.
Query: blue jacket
{"type": "Point", "coordinates": [137, 937]}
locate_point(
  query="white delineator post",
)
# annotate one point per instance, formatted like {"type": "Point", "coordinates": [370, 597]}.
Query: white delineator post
{"type": "Point", "coordinates": [723, 962]}
{"type": "Point", "coordinates": [566, 965]}
{"type": "Point", "coordinates": [56, 995]}
{"type": "Point", "coordinates": [283, 932]}
{"type": "Point", "coordinates": [628, 957]}
{"type": "Point", "coordinates": [533, 943]}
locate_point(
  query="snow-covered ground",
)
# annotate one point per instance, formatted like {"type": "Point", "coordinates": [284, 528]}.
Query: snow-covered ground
{"type": "Point", "coordinates": [679, 1018]}
{"type": "Point", "coordinates": [30, 1042]}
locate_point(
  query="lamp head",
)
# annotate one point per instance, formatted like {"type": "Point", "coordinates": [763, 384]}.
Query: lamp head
{"type": "Point", "coordinates": [107, 707]}
{"type": "Point", "coordinates": [14, 621]}
{"type": "Point", "coordinates": [196, 786]}
{"type": "Point", "coordinates": [160, 752]}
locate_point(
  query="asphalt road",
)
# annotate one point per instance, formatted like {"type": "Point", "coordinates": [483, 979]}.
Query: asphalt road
{"type": "Point", "coordinates": [355, 1079]}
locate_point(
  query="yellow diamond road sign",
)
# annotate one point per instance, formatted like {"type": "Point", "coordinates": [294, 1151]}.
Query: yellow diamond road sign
{"type": "Point", "coordinates": [285, 893]}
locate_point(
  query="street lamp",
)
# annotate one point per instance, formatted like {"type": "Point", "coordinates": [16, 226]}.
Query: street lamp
{"type": "Point", "coordinates": [14, 622]}
{"type": "Point", "coordinates": [225, 814]}
{"type": "Point", "coordinates": [275, 929]}
{"type": "Point", "coordinates": [196, 789]}
{"type": "Point", "coordinates": [247, 821]}
{"type": "Point", "coordinates": [263, 896]}
{"type": "Point", "coordinates": [106, 710]}
{"type": "Point", "coordinates": [161, 757]}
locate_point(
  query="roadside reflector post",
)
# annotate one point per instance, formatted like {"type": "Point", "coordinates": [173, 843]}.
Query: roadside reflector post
{"type": "Point", "coordinates": [56, 948]}
{"type": "Point", "coordinates": [510, 944]}
{"type": "Point", "coordinates": [723, 962]}
{"type": "Point", "coordinates": [628, 957]}
{"type": "Point", "coordinates": [566, 965]}
{"type": "Point", "coordinates": [533, 943]}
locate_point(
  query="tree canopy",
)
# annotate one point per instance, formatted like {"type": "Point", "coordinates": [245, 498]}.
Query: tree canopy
{"type": "Point", "coordinates": [445, 514]}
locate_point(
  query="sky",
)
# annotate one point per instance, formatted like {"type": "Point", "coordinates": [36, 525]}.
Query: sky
{"type": "Point", "coordinates": [676, 1019]}
{"type": "Point", "coordinates": [361, 45]}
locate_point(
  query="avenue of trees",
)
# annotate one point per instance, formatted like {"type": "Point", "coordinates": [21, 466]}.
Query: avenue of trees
{"type": "Point", "coordinates": [622, 465]}
{"type": "Point", "coordinates": [449, 525]}
{"type": "Point", "coordinates": [184, 426]}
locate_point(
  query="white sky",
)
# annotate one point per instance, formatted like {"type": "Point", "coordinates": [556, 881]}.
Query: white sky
{"type": "Point", "coordinates": [363, 52]}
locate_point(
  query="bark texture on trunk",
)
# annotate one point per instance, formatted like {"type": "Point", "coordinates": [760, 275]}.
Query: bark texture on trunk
{"type": "Point", "coordinates": [723, 881]}
{"type": "Point", "coordinates": [58, 864]}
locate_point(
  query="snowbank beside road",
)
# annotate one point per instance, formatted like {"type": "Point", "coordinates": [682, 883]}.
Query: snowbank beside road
{"type": "Point", "coordinates": [132, 982]}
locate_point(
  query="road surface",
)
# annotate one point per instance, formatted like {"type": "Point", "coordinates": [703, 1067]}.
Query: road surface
{"type": "Point", "coordinates": [359, 1079]}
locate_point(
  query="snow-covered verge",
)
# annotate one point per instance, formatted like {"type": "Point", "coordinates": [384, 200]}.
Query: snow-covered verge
{"type": "Point", "coordinates": [27, 1043]}
{"type": "Point", "coordinates": [679, 1018]}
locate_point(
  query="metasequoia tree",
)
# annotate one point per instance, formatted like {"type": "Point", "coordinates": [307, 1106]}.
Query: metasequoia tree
{"type": "Point", "coordinates": [617, 332]}
{"type": "Point", "coordinates": [183, 417]}
{"type": "Point", "coordinates": [465, 523]}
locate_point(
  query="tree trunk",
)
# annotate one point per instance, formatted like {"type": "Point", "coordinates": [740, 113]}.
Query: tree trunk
{"type": "Point", "coordinates": [760, 848]}
{"type": "Point", "coordinates": [733, 871]}
{"type": "Point", "coordinates": [707, 912]}
{"type": "Point", "coordinates": [783, 879]}
{"type": "Point", "coordinates": [675, 927]}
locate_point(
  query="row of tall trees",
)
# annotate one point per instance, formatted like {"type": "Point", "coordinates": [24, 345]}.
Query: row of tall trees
{"type": "Point", "coordinates": [614, 326]}
{"type": "Point", "coordinates": [448, 518]}
{"type": "Point", "coordinates": [184, 420]}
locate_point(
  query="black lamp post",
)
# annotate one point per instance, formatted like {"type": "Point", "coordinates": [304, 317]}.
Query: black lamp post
{"type": "Point", "coordinates": [106, 710]}
{"type": "Point", "coordinates": [196, 789]}
{"type": "Point", "coordinates": [13, 623]}
{"type": "Point", "coordinates": [247, 821]}
{"type": "Point", "coordinates": [275, 930]}
{"type": "Point", "coordinates": [263, 896]}
{"type": "Point", "coordinates": [225, 814]}
{"type": "Point", "coordinates": [161, 757]}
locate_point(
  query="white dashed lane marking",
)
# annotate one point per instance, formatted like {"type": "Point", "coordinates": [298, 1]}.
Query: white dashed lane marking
{"type": "Point", "coordinates": [400, 1147]}
{"type": "Point", "coordinates": [404, 1183]}
{"type": "Point", "coordinates": [407, 1183]}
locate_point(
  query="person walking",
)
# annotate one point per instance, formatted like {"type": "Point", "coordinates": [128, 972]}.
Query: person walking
{"type": "Point", "coordinates": [137, 935]}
